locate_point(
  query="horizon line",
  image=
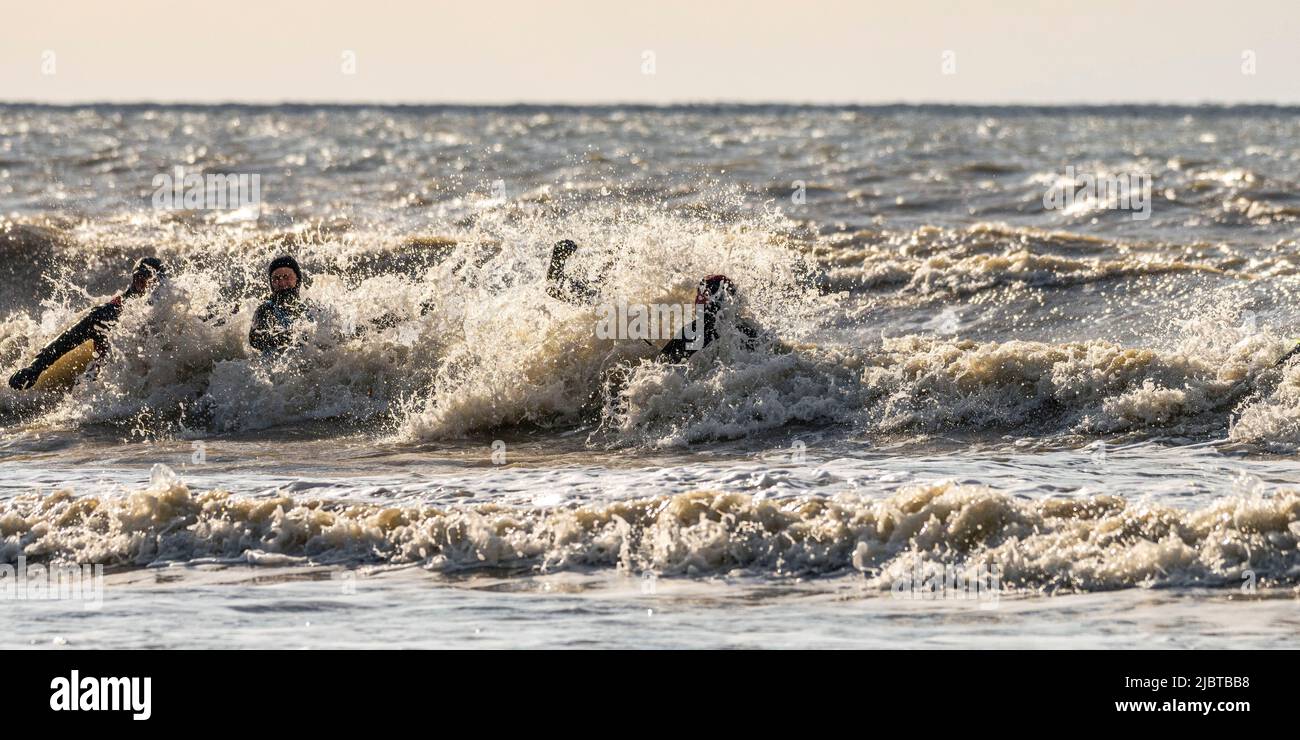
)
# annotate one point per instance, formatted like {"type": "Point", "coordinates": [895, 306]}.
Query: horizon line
{"type": "Point", "coordinates": [639, 104]}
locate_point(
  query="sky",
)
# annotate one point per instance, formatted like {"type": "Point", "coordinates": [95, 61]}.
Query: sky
{"type": "Point", "coordinates": [661, 51]}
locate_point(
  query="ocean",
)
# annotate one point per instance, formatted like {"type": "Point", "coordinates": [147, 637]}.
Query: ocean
{"type": "Point", "coordinates": [1014, 387]}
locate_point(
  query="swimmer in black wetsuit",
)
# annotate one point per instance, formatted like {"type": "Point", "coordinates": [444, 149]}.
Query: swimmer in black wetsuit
{"type": "Point", "coordinates": [272, 330]}
{"type": "Point", "coordinates": [715, 294]}
{"type": "Point", "coordinates": [94, 326]}
{"type": "Point", "coordinates": [715, 315]}
{"type": "Point", "coordinates": [559, 284]}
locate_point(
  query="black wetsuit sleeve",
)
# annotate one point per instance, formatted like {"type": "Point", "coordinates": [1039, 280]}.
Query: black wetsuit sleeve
{"type": "Point", "coordinates": [93, 326]}
{"type": "Point", "coordinates": [260, 334]}
{"type": "Point", "coordinates": [1294, 351]}
{"type": "Point", "coordinates": [674, 351]}
{"type": "Point", "coordinates": [566, 289]}
{"type": "Point", "coordinates": [583, 291]}
{"type": "Point", "coordinates": [555, 289]}
{"type": "Point", "coordinates": [678, 348]}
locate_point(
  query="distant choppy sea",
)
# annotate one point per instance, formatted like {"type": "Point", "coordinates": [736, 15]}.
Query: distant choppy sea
{"type": "Point", "coordinates": [993, 406]}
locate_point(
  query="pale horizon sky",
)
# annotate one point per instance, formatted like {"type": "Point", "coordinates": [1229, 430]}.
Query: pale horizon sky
{"type": "Point", "coordinates": [583, 52]}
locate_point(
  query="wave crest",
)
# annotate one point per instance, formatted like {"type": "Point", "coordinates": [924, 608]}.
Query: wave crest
{"type": "Point", "coordinates": [1094, 543]}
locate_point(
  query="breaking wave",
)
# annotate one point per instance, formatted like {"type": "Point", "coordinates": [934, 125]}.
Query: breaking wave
{"type": "Point", "coordinates": [450, 333]}
{"type": "Point", "coordinates": [938, 262]}
{"type": "Point", "coordinates": [446, 332]}
{"type": "Point", "coordinates": [1086, 544]}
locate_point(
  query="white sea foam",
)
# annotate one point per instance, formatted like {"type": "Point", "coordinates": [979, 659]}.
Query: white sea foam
{"type": "Point", "coordinates": [1083, 544]}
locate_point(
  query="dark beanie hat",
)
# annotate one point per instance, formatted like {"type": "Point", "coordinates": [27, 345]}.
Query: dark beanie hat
{"type": "Point", "coordinates": [285, 261]}
{"type": "Point", "coordinates": [149, 264]}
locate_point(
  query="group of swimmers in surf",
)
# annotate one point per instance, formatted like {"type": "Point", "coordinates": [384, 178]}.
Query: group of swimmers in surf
{"type": "Point", "coordinates": [272, 332]}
